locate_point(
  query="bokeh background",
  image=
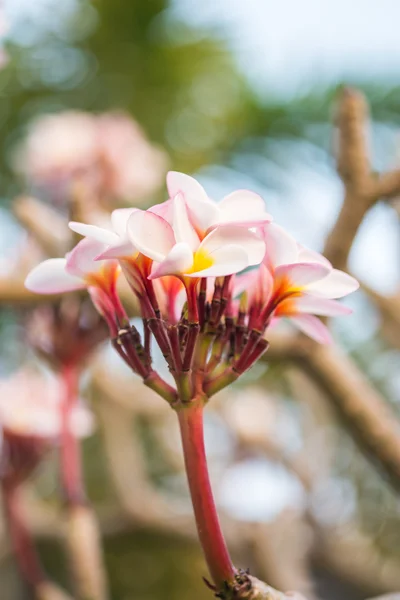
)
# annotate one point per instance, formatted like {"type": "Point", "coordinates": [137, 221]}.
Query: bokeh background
{"type": "Point", "coordinates": [241, 94]}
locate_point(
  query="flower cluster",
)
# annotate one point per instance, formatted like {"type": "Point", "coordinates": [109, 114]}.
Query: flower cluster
{"type": "Point", "coordinates": [30, 420]}
{"type": "Point", "coordinates": [210, 279]}
{"type": "Point", "coordinates": [108, 152]}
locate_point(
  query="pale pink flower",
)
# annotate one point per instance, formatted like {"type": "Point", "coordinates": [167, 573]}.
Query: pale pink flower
{"type": "Point", "coordinates": [242, 207]}
{"type": "Point", "coordinates": [296, 283]}
{"type": "Point", "coordinates": [136, 167]}
{"type": "Point", "coordinates": [58, 147]}
{"type": "Point", "coordinates": [4, 26]}
{"type": "Point", "coordinates": [30, 407]}
{"type": "Point", "coordinates": [180, 250]}
{"type": "Point", "coordinates": [108, 152]}
{"type": "Point", "coordinates": [79, 270]}
{"type": "Point", "coordinates": [115, 237]}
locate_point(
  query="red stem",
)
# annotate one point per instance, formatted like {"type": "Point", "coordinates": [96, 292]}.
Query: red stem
{"type": "Point", "coordinates": [208, 526]}
{"type": "Point", "coordinates": [71, 467]}
{"type": "Point", "coordinates": [21, 539]}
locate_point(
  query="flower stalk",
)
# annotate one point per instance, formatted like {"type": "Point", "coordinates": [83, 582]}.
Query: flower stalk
{"type": "Point", "coordinates": [70, 455]}
{"type": "Point", "coordinates": [209, 530]}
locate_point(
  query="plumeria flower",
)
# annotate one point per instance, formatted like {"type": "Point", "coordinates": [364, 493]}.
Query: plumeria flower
{"type": "Point", "coordinates": [31, 422]}
{"type": "Point", "coordinates": [79, 270]}
{"type": "Point", "coordinates": [241, 207]}
{"type": "Point", "coordinates": [109, 152]}
{"type": "Point", "coordinates": [115, 237]}
{"type": "Point", "coordinates": [30, 406]}
{"type": "Point", "coordinates": [296, 283]}
{"type": "Point", "coordinates": [179, 250]}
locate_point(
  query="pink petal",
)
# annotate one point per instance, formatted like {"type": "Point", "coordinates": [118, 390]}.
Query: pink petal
{"type": "Point", "coordinates": [94, 232]}
{"type": "Point", "coordinates": [183, 229]}
{"type": "Point", "coordinates": [227, 260]}
{"type": "Point", "coordinates": [281, 247]}
{"type": "Point", "coordinates": [302, 274]}
{"type": "Point", "coordinates": [244, 207]}
{"type": "Point", "coordinates": [258, 284]}
{"type": "Point", "coordinates": [335, 285]}
{"type": "Point", "coordinates": [123, 250]}
{"type": "Point", "coordinates": [119, 220]}
{"type": "Point", "coordinates": [320, 306]}
{"type": "Point", "coordinates": [202, 209]}
{"type": "Point", "coordinates": [82, 259]}
{"type": "Point", "coordinates": [237, 236]}
{"type": "Point", "coordinates": [50, 277]}
{"type": "Point", "coordinates": [312, 327]}
{"type": "Point", "coordinates": [150, 234]}
{"type": "Point", "coordinates": [245, 281]}
{"type": "Point", "coordinates": [178, 260]}
{"type": "Point", "coordinates": [164, 210]}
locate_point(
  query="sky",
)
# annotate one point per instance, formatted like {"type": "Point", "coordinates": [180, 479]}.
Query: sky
{"type": "Point", "coordinates": [289, 44]}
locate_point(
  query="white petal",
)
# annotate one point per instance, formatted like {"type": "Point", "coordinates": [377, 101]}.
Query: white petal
{"type": "Point", "coordinates": [119, 220]}
{"type": "Point", "coordinates": [204, 212]}
{"type": "Point", "coordinates": [50, 277]}
{"type": "Point", "coordinates": [183, 229]}
{"type": "Point", "coordinates": [302, 274]}
{"type": "Point", "coordinates": [335, 285]}
{"type": "Point", "coordinates": [95, 233]}
{"type": "Point", "coordinates": [150, 234]}
{"type": "Point", "coordinates": [227, 260]}
{"type": "Point", "coordinates": [307, 255]}
{"type": "Point", "coordinates": [312, 327]}
{"type": "Point", "coordinates": [320, 306]}
{"type": "Point", "coordinates": [237, 236]}
{"type": "Point", "coordinates": [82, 259]}
{"type": "Point", "coordinates": [178, 261]}
{"type": "Point", "coordinates": [281, 247]}
{"type": "Point", "coordinates": [244, 207]}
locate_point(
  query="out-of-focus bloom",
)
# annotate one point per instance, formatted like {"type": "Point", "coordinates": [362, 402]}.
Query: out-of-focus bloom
{"type": "Point", "coordinates": [3, 32]}
{"type": "Point", "coordinates": [77, 271]}
{"type": "Point", "coordinates": [179, 250]}
{"type": "Point", "coordinates": [108, 152]}
{"type": "Point", "coordinates": [296, 283]}
{"type": "Point", "coordinates": [30, 421]}
{"type": "Point", "coordinates": [30, 406]}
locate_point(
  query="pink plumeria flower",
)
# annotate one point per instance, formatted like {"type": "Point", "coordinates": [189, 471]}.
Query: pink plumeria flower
{"type": "Point", "coordinates": [31, 422]}
{"type": "Point", "coordinates": [178, 249]}
{"type": "Point", "coordinates": [114, 237]}
{"type": "Point", "coordinates": [79, 270]}
{"type": "Point", "coordinates": [241, 207]}
{"type": "Point", "coordinates": [30, 406]}
{"type": "Point", "coordinates": [296, 283]}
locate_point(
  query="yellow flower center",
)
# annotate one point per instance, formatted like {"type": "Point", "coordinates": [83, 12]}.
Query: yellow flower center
{"type": "Point", "coordinates": [201, 260]}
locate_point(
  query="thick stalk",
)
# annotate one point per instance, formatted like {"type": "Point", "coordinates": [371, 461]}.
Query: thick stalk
{"type": "Point", "coordinates": [71, 468]}
{"type": "Point", "coordinates": [208, 526]}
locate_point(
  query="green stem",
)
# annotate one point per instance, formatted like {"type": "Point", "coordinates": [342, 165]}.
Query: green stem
{"type": "Point", "coordinates": [161, 387]}
{"type": "Point", "coordinates": [218, 383]}
{"type": "Point", "coordinates": [208, 526]}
